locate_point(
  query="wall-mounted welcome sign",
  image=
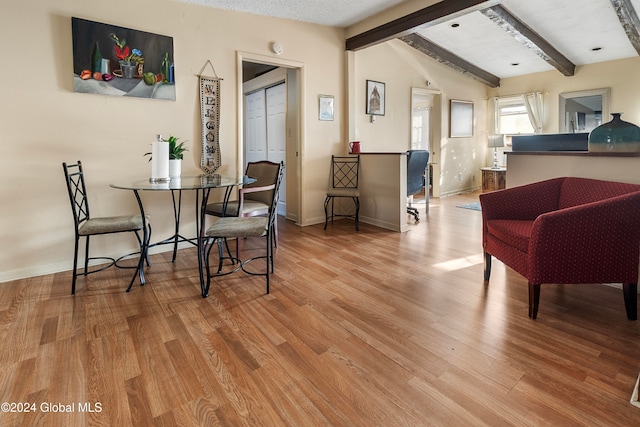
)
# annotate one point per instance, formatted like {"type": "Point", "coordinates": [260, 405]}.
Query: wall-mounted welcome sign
{"type": "Point", "coordinates": [113, 60]}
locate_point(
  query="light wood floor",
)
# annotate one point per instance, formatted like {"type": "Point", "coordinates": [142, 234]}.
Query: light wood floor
{"type": "Point", "coordinates": [368, 328]}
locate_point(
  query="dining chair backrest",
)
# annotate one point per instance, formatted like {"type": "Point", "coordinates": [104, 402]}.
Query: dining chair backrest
{"type": "Point", "coordinates": [273, 208]}
{"type": "Point", "coordinates": [265, 173]}
{"type": "Point", "coordinates": [76, 188]}
{"type": "Point", "coordinates": [345, 171]}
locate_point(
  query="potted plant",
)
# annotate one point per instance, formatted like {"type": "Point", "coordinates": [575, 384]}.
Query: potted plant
{"type": "Point", "coordinates": [176, 154]}
{"type": "Point", "coordinates": [131, 60]}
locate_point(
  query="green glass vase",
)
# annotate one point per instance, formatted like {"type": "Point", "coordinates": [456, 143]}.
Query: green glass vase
{"type": "Point", "coordinates": [615, 136]}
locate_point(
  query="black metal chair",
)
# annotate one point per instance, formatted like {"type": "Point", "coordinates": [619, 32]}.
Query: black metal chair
{"type": "Point", "coordinates": [238, 227]}
{"type": "Point", "coordinates": [417, 161]}
{"type": "Point", "coordinates": [344, 183]}
{"type": "Point", "coordinates": [86, 226]}
{"type": "Point", "coordinates": [253, 199]}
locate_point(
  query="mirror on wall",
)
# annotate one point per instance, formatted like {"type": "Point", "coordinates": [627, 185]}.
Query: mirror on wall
{"type": "Point", "coordinates": [583, 111]}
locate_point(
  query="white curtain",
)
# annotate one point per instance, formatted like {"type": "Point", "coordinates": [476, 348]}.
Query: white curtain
{"type": "Point", "coordinates": [493, 110]}
{"type": "Point", "coordinates": [535, 110]}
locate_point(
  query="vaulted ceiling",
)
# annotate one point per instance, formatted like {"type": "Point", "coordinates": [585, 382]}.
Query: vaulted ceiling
{"type": "Point", "coordinates": [486, 40]}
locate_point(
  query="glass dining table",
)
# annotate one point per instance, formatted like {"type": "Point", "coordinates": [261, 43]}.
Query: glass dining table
{"type": "Point", "coordinates": [202, 185]}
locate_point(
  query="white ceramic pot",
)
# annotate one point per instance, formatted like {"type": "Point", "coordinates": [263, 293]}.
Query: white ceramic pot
{"type": "Point", "coordinates": [175, 168]}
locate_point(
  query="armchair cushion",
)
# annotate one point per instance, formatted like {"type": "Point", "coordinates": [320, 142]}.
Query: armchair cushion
{"type": "Point", "coordinates": [513, 232]}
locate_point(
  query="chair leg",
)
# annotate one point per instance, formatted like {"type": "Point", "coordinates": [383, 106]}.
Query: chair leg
{"type": "Point", "coordinates": [413, 211]}
{"type": "Point", "coordinates": [275, 232]}
{"type": "Point", "coordinates": [86, 256]}
{"type": "Point", "coordinates": [487, 266]}
{"type": "Point", "coordinates": [534, 300]}
{"type": "Point", "coordinates": [221, 252]}
{"type": "Point", "coordinates": [356, 200]}
{"type": "Point", "coordinates": [75, 267]}
{"type": "Point", "coordinates": [326, 211]}
{"type": "Point", "coordinates": [272, 247]}
{"type": "Point", "coordinates": [630, 291]}
{"type": "Point", "coordinates": [333, 202]}
{"type": "Point", "coordinates": [269, 258]}
{"type": "Point", "coordinates": [226, 245]}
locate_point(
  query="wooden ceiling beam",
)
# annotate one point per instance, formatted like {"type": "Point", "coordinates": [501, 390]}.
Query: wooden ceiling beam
{"type": "Point", "coordinates": [629, 20]}
{"type": "Point", "coordinates": [424, 18]}
{"type": "Point", "coordinates": [525, 35]}
{"type": "Point", "coordinates": [449, 59]}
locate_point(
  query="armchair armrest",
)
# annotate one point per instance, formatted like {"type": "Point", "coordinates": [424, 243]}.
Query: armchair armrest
{"type": "Point", "coordinates": [590, 243]}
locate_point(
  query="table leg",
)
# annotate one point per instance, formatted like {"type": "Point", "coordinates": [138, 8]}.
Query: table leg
{"type": "Point", "coordinates": [177, 237]}
{"type": "Point", "coordinates": [200, 232]}
{"type": "Point", "coordinates": [176, 216]}
{"type": "Point", "coordinates": [145, 245]}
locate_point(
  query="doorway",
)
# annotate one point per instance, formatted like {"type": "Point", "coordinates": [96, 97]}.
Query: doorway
{"type": "Point", "coordinates": [426, 133]}
{"type": "Point", "coordinates": [277, 87]}
{"type": "Point", "coordinates": [265, 130]}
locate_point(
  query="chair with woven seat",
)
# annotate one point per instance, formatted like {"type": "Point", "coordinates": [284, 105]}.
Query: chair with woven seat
{"type": "Point", "coordinates": [238, 227]}
{"type": "Point", "coordinates": [87, 226]}
{"type": "Point", "coordinates": [253, 199]}
{"type": "Point", "coordinates": [344, 184]}
{"type": "Point", "coordinates": [417, 161]}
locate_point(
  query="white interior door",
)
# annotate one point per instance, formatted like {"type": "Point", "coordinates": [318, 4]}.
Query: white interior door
{"type": "Point", "coordinates": [265, 130]}
{"type": "Point", "coordinates": [255, 127]}
{"type": "Point", "coordinates": [276, 102]}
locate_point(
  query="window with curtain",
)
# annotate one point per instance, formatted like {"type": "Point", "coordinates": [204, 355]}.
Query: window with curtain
{"type": "Point", "coordinates": [520, 114]}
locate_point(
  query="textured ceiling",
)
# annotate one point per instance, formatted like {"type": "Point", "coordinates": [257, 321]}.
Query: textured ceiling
{"type": "Point", "coordinates": [573, 27]}
{"type": "Point", "coordinates": [334, 13]}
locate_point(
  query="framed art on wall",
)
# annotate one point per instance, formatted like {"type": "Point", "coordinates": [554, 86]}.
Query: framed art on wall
{"type": "Point", "coordinates": [375, 98]}
{"type": "Point", "coordinates": [461, 119]}
{"type": "Point", "coordinates": [325, 108]}
{"type": "Point", "coordinates": [113, 60]}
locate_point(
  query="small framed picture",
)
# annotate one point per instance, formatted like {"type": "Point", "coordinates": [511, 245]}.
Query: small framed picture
{"type": "Point", "coordinates": [375, 98]}
{"type": "Point", "coordinates": [325, 108]}
{"type": "Point", "coordinates": [461, 119]}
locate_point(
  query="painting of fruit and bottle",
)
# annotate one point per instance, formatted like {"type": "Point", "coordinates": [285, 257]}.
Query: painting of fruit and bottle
{"type": "Point", "coordinates": [113, 60]}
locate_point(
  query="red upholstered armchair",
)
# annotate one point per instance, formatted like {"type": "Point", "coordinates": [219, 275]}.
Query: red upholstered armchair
{"type": "Point", "coordinates": [566, 230]}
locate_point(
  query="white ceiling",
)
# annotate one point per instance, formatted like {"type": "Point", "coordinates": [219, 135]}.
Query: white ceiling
{"type": "Point", "coordinates": [573, 27]}
{"type": "Point", "coordinates": [334, 13]}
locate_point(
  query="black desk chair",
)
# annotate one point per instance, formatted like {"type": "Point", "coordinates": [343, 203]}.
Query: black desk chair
{"type": "Point", "coordinates": [344, 183]}
{"type": "Point", "coordinates": [86, 226]}
{"type": "Point", "coordinates": [417, 161]}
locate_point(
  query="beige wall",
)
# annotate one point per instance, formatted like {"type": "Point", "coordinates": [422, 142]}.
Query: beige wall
{"type": "Point", "coordinates": [44, 123]}
{"type": "Point", "coordinates": [457, 161]}
{"type": "Point", "coordinates": [620, 76]}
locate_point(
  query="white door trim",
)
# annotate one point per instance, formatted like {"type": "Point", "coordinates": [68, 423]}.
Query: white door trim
{"type": "Point", "coordinates": [298, 176]}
